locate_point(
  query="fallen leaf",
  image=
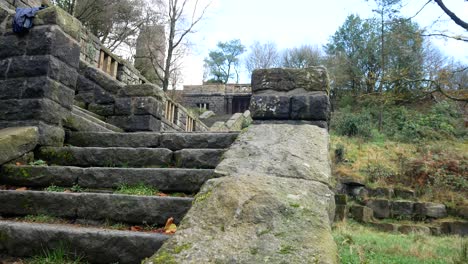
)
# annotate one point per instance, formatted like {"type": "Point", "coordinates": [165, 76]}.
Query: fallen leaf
{"type": "Point", "coordinates": [22, 189]}
{"type": "Point", "coordinates": [18, 163]}
{"type": "Point", "coordinates": [67, 191]}
{"type": "Point", "coordinates": [162, 194]}
{"type": "Point", "coordinates": [170, 227]}
{"type": "Point", "coordinates": [136, 228]}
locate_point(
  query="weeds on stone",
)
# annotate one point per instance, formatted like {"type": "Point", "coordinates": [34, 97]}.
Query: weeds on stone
{"type": "Point", "coordinates": [139, 189]}
{"type": "Point", "coordinates": [59, 255]}
{"type": "Point", "coordinates": [54, 188]}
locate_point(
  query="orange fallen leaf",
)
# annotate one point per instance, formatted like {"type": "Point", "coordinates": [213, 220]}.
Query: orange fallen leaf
{"type": "Point", "coordinates": [22, 189]}
{"type": "Point", "coordinates": [136, 228]}
{"type": "Point", "coordinates": [170, 227]}
{"type": "Point", "coordinates": [162, 194]}
{"type": "Point", "coordinates": [67, 191]}
{"type": "Point", "coordinates": [18, 164]}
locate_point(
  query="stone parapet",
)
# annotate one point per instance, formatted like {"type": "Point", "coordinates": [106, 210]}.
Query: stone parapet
{"type": "Point", "coordinates": [291, 94]}
{"type": "Point", "coordinates": [38, 75]}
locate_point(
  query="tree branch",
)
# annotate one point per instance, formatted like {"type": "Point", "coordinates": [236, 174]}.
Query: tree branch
{"type": "Point", "coordinates": [452, 15]}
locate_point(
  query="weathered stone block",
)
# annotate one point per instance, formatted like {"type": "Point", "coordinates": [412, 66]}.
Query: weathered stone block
{"type": "Point", "coordinates": [402, 209]}
{"type": "Point", "coordinates": [381, 207]}
{"type": "Point", "coordinates": [56, 16]}
{"type": "Point", "coordinates": [15, 142]}
{"type": "Point", "coordinates": [341, 199]}
{"type": "Point", "coordinates": [102, 109]}
{"type": "Point", "coordinates": [455, 228]}
{"type": "Point", "coordinates": [36, 88]}
{"type": "Point", "coordinates": [284, 80]}
{"type": "Point", "coordinates": [408, 229]}
{"type": "Point", "coordinates": [284, 220]}
{"type": "Point", "coordinates": [270, 107]}
{"type": "Point", "coordinates": [198, 158]}
{"type": "Point", "coordinates": [282, 150]}
{"type": "Point", "coordinates": [384, 227]}
{"type": "Point", "coordinates": [102, 96]}
{"type": "Point", "coordinates": [31, 109]}
{"type": "Point", "coordinates": [141, 90]}
{"type": "Point", "coordinates": [50, 40]}
{"type": "Point", "coordinates": [310, 107]}
{"type": "Point", "coordinates": [380, 192]}
{"type": "Point", "coordinates": [12, 45]}
{"type": "Point", "coordinates": [341, 212]}
{"type": "Point", "coordinates": [431, 210]}
{"type": "Point", "coordinates": [31, 66]}
{"type": "Point", "coordinates": [361, 213]}
{"type": "Point", "coordinates": [404, 193]}
{"type": "Point", "coordinates": [136, 123]}
{"type": "Point", "coordinates": [100, 78]}
{"type": "Point", "coordinates": [49, 135]}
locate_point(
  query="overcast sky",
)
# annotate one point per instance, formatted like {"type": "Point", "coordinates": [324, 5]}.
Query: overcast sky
{"type": "Point", "coordinates": [291, 23]}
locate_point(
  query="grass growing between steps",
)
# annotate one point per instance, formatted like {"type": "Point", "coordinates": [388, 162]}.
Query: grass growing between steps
{"type": "Point", "coordinates": [139, 189]}
{"type": "Point", "coordinates": [59, 255]}
{"type": "Point", "coordinates": [358, 244]}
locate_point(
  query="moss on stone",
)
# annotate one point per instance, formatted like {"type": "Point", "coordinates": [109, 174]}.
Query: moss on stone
{"type": "Point", "coordinates": [164, 257]}
{"type": "Point", "coordinates": [3, 236]}
{"type": "Point", "coordinates": [202, 197]}
{"type": "Point", "coordinates": [182, 247]}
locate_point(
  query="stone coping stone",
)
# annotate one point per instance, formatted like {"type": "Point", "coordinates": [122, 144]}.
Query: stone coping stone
{"type": "Point", "coordinates": [49, 135]}
{"type": "Point", "coordinates": [313, 107]}
{"type": "Point", "coordinates": [287, 149]}
{"type": "Point", "coordinates": [198, 158]}
{"type": "Point", "coordinates": [253, 219]}
{"type": "Point", "coordinates": [94, 119]}
{"type": "Point", "coordinates": [106, 157]}
{"type": "Point", "coordinates": [16, 141]}
{"type": "Point", "coordinates": [120, 208]}
{"type": "Point", "coordinates": [165, 180]}
{"type": "Point", "coordinates": [96, 245]}
{"type": "Point", "coordinates": [77, 122]}
{"type": "Point", "coordinates": [282, 79]}
{"type": "Point", "coordinates": [57, 16]}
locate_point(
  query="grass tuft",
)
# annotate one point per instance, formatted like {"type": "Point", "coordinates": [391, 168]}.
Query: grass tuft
{"type": "Point", "coordinates": [139, 189]}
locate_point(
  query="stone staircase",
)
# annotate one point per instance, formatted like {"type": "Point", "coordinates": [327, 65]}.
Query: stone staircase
{"type": "Point", "coordinates": [399, 210]}
{"type": "Point", "coordinates": [88, 170]}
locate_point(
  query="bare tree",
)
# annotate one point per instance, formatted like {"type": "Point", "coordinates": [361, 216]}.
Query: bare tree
{"type": "Point", "coordinates": [262, 56]}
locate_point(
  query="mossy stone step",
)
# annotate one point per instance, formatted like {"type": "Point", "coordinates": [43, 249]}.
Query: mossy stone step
{"type": "Point", "coordinates": [119, 208]}
{"type": "Point", "coordinates": [96, 245]}
{"type": "Point", "coordinates": [172, 141]}
{"type": "Point", "coordinates": [130, 157]}
{"type": "Point", "coordinates": [165, 180]}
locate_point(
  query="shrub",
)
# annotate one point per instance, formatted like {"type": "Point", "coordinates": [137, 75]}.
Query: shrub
{"type": "Point", "coordinates": [353, 124]}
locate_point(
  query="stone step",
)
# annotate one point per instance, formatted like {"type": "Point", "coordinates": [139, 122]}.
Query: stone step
{"type": "Point", "coordinates": [94, 244]}
{"type": "Point", "coordinates": [165, 180]}
{"type": "Point", "coordinates": [151, 210]}
{"type": "Point", "coordinates": [172, 141]}
{"type": "Point", "coordinates": [82, 120]}
{"type": "Point", "coordinates": [449, 227]}
{"type": "Point", "coordinates": [130, 157]}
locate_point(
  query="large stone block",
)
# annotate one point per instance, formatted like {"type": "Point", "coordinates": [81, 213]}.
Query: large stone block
{"type": "Point", "coordinates": [361, 213]}
{"type": "Point", "coordinates": [282, 150]}
{"type": "Point", "coordinates": [44, 65]}
{"type": "Point", "coordinates": [49, 135]}
{"type": "Point", "coordinates": [250, 219]}
{"type": "Point", "coordinates": [284, 80]}
{"type": "Point", "coordinates": [31, 109]}
{"type": "Point", "coordinates": [139, 106]}
{"type": "Point", "coordinates": [402, 209]}
{"type": "Point", "coordinates": [36, 88]}
{"type": "Point", "coordinates": [430, 210]}
{"type": "Point", "coordinates": [455, 228]}
{"type": "Point", "coordinates": [15, 142]}
{"type": "Point", "coordinates": [310, 107]}
{"type": "Point", "coordinates": [100, 78]}
{"type": "Point", "coordinates": [56, 16]}
{"type": "Point", "coordinates": [270, 107]}
{"type": "Point", "coordinates": [381, 207]}
{"type": "Point", "coordinates": [136, 123]}
{"type": "Point", "coordinates": [141, 90]}
{"type": "Point", "coordinates": [52, 40]}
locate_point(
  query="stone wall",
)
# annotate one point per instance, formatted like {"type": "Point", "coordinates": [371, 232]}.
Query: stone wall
{"type": "Point", "coordinates": [38, 73]}
{"type": "Point", "coordinates": [12, 4]}
{"type": "Point", "coordinates": [59, 63]}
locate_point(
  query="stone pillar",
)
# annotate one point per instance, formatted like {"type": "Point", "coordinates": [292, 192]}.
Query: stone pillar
{"type": "Point", "coordinates": [291, 94]}
{"type": "Point", "coordinates": [38, 73]}
{"type": "Point", "coordinates": [150, 43]}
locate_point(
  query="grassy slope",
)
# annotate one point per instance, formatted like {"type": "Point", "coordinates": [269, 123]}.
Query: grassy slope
{"type": "Point", "coordinates": [360, 244]}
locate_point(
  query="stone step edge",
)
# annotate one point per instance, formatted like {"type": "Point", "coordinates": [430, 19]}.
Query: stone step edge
{"type": "Point", "coordinates": [86, 115]}
{"type": "Point", "coordinates": [436, 229]}
{"type": "Point", "coordinates": [95, 206]}
{"type": "Point", "coordinates": [164, 179]}
{"type": "Point", "coordinates": [96, 245]}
